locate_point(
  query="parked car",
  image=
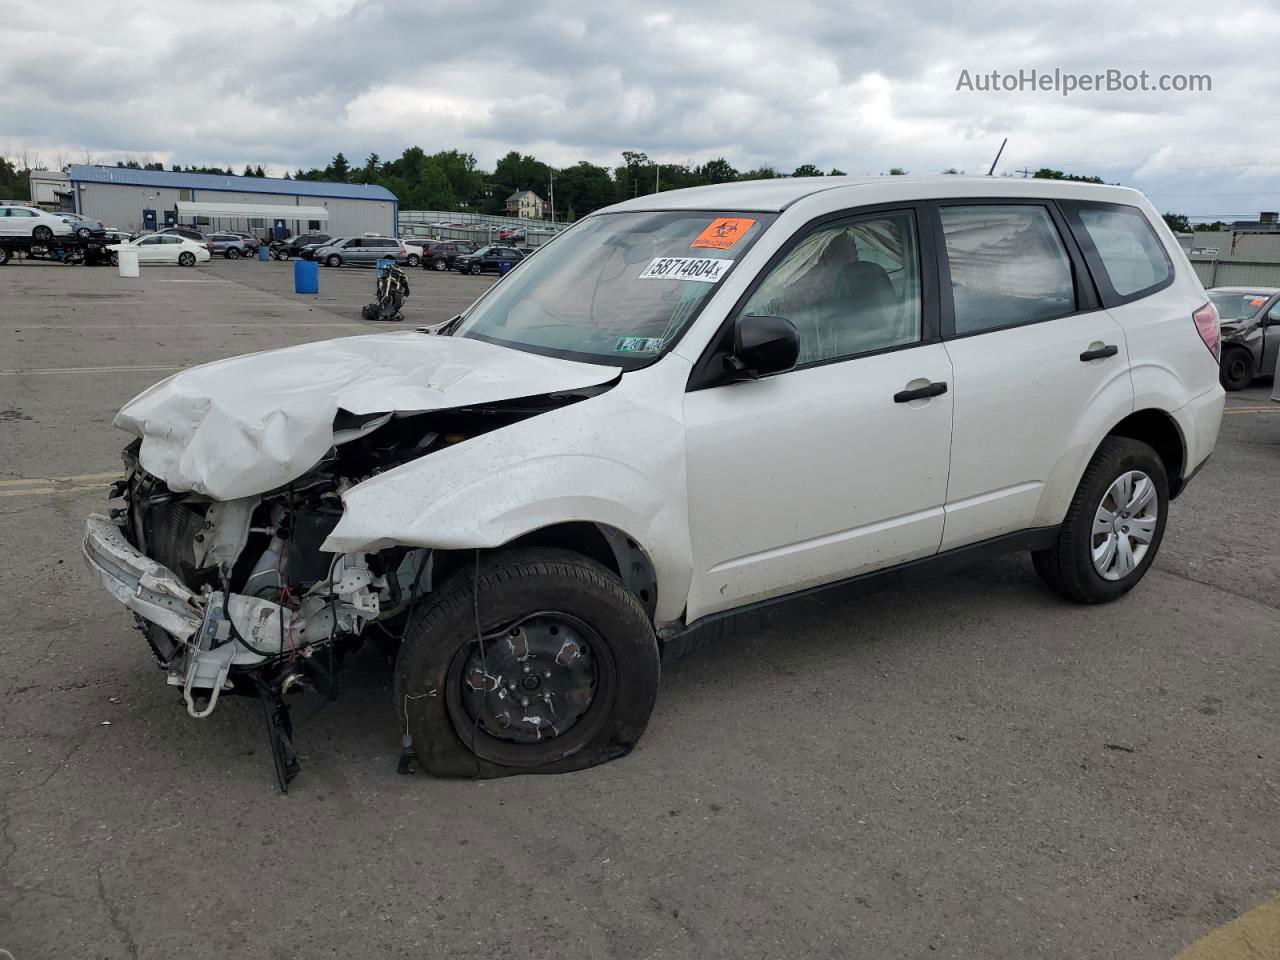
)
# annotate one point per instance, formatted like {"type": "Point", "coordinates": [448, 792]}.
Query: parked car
{"type": "Point", "coordinates": [191, 233]}
{"type": "Point", "coordinates": [117, 236]}
{"type": "Point", "coordinates": [164, 248]}
{"type": "Point", "coordinates": [229, 245]}
{"type": "Point", "coordinates": [441, 254]}
{"type": "Point", "coordinates": [364, 251]}
{"type": "Point", "coordinates": [251, 242]}
{"type": "Point", "coordinates": [83, 228]}
{"type": "Point", "coordinates": [412, 250]}
{"type": "Point", "coordinates": [487, 259]}
{"type": "Point", "coordinates": [1250, 332]}
{"type": "Point", "coordinates": [692, 406]}
{"type": "Point", "coordinates": [23, 221]}
{"type": "Point", "coordinates": [284, 249]}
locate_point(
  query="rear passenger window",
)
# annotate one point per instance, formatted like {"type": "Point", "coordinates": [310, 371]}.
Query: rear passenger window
{"type": "Point", "coordinates": [1132, 256]}
{"type": "Point", "coordinates": [850, 287]}
{"type": "Point", "coordinates": [1008, 266]}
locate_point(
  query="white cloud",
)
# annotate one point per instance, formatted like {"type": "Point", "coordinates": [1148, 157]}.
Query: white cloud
{"type": "Point", "coordinates": [859, 85]}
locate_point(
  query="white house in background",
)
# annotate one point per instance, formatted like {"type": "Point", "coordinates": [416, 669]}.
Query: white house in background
{"type": "Point", "coordinates": [526, 205]}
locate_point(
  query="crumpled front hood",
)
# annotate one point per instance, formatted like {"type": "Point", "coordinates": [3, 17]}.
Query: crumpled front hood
{"type": "Point", "coordinates": [239, 427]}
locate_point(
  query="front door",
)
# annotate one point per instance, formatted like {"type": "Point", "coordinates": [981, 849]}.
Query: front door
{"type": "Point", "coordinates": [1038, 365]}
{"type": "Point", "coordinates": [839, 466]}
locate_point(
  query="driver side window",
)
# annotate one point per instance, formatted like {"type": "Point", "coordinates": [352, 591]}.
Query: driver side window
{"type": "Point", "coordinates": [850, 287]}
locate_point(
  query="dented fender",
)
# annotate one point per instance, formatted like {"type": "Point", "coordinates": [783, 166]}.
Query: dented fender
{"type": "Point", "coordinates": [616, 459]}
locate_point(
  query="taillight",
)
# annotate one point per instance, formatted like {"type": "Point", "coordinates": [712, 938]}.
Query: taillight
{"type": "Point", "coordinates": [1209, 328]}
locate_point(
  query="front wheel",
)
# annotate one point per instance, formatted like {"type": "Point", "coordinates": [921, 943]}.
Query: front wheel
{"type": "Point", "coordinates": [333, 260]}
{"type": "Point", "coordinates": [115, 259]}
{"type": "Point", "coordinates": [187, 258]}
{"type": "Point", "coordinates": [441, 265]}
{"type": "Point", "coordinates": [476, 269]}
{"type": "Point", "coordinates": [414, 260]}
{"type": "Point", "coordinates": [232, 253]}
{"type": "Point", "coordinates": [1113, 527]}
{"type": "Point", "coordinates": [281, 254]}
{"type": "Point", "coordinates": [4, 256]}
{"type": "Point", "coordinates": [84, 233]}
{"type": "Point", "coordinates": [561, 675]}
{"type": "Point", "coordinates": [1237, 368]}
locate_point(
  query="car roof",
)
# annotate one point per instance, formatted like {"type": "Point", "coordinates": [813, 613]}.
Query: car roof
{"type": "Point", "coordinates": [1265, 291]}
{"type": "Point", "coordinates": [781, 192]}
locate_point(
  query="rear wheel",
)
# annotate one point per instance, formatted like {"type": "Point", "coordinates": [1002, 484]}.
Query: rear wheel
{"type": "Point", "coordinates": [115, 259]}
{"type": "Point", "coordinates": [561, 673]}
{"type": "Point", "coordinates": [187, 259]}
{"type": "Point", "coordinates": [4, 256]}
{"type": "Point", "coordinates": [1237, 368]}
{"type": "Point", "coordinates": [414, 260]}
{"type": "Point", "coordinates": [84, 233]}
{"type": "Point", "coordinates": [441, 265]}
{"type": "Point", "coordinates": [1113, 527]}
{"type": "Point", "coordinates": [281, 254]}
{"type": "Point", "coordinates": [42, 233]}
{"type": "Point", "coordinates": [232, 253]}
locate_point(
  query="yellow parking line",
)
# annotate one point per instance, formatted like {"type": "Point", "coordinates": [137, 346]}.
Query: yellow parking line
{"type": "Point", "coordinates": [27, 373]}
{"type": "Point", "coordinates": [45, 481]}
{"type": "Point", "coordinates": [1252, 936]}
{"type": "Point", "coordinates": [1275, 409]}
{"type": "Point", "coordinates": [42, 491]}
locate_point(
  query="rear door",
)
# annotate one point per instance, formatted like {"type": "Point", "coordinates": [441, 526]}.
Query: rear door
{"type": "Point", "coordinates": [1270, 338]}
{"type": "Point", "coordinates": [6, 223]}
{"type": "Point", "coordinates": [1037, 363]}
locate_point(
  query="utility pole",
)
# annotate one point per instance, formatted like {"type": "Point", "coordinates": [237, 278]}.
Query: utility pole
{"type": "Point", "coordinates": [657, 178]}
{"type": "Point", "coordinates": [553, 197]}
{"type": "Point", "coordinates": [1025, 172]}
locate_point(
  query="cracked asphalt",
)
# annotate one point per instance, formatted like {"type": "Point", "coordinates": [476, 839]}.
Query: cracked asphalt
{"type": "Point", "coordinates": [958, 767]}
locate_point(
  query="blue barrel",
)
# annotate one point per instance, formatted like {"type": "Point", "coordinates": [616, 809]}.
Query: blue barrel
{"type": "Point", "coordinates": [504, 267]}
{"type": "Point", "coordinates": [306, 276]}
{"type": "Point", "coordinates": [264, 253]}
{"type": "Point", "coordinates": [384, 262]}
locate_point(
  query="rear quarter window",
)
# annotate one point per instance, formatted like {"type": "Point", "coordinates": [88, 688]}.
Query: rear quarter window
{"type": "Point", "coordinates": [1123, 250]}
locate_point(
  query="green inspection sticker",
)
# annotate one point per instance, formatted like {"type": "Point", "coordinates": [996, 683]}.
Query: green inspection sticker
{"type": "Point", "coordinates": [638, 345]}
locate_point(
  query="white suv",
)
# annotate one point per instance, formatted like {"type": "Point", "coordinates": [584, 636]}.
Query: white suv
{"type": "Point", "coordinates": [687, 407]}
{"type": "Point", "coordinates": [21, 221]}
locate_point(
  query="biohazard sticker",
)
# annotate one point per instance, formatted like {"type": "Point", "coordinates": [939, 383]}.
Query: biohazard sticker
{"type": "Point", "coordinates": [723, 233]}
{"type": "Point", "coordinates": [702, 269]}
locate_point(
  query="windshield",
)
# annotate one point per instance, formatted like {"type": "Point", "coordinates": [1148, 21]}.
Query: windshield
{"type": "Point", "coordinates": [616, 288]}
{"type": "Point", "coordinates": [1238, 306]}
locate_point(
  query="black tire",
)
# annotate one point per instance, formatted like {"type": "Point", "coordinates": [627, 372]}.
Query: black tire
{"type": "Point", "coordinates": [333, 260]}
{"type": "Point", "coordinates": [232, 253]}
{"type": "Point", "coordinates": [186, 259]}
{"type": "Point", "coordinates": [1067, 567]}
{"type": "Point", "coordinates": [476, 269]}
{"type": "Point", "coordinates": [281, 254]}
{"type": "Point", "coordinates": [1237, 370]}
{"type": "Point", "coordinates": [42, 233]}
{"type": "Point", "coordinates": [441, 265]}
{"type": "Point", "coordinates": [414, 260]}
{"type": "Point", "coordinates": [84, 233]}
{"type": "Point", "coordinates": [115, 259]}
{"type": "Point", "coordinates": [4, 256]}
{"type": "Point", "coordinates": [431, 674]}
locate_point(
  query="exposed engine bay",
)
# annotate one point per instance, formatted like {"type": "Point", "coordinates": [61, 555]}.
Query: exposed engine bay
{"type": "Point", "coordinates": [238, 597]}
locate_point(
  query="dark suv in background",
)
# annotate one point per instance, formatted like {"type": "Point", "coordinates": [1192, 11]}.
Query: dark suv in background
{"type": "Point", "coordinates": [284, 249]}
{"type": "Point", "coordinates": [488, 260]}
{"type": "Point", "coordinates": [441, 254]}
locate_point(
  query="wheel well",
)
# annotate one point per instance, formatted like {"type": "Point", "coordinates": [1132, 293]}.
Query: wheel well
{"type": "Point", "coordinates": [608, 546]}
{"type": "Point", "coordinates": [1159, 431]}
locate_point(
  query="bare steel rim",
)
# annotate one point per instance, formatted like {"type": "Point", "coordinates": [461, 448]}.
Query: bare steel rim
{"type": "Point", "coordinates": [1124, 525]}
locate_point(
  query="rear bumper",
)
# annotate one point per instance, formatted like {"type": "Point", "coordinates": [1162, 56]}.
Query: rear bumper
{"type": "Point", "coordinates": [150, 590]}
{"type": "Point", "coordinates": [1199, 420]}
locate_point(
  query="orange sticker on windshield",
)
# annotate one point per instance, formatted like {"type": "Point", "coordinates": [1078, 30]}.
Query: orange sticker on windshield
{"type": "Point", "coordinates": [723, 233]}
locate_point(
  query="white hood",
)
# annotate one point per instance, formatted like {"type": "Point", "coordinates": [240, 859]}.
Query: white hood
{"type": "Point", "coordinates": [239, 427]}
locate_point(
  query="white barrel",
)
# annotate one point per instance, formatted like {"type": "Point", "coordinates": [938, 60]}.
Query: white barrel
{"type": "Point", "coordinates": [128, 262]}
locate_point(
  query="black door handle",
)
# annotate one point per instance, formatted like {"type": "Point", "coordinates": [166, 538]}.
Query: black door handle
{"type": "Point", "coordinates": [1110, 350]}
{"type": "Point", "coordinates": [920, 393]}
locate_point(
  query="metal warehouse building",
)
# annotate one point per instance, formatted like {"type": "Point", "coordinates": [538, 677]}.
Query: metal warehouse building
{"type": "Point", "coordinates": [131, 199]}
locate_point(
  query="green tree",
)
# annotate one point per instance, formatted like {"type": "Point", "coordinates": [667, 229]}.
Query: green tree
{"type": "Point", "coordinates": [718, 170]}
{"type": "Point", "coordinates": [582, 188]}
{"type": "Point", "coordinates": [1044, 173]}
{"type": "Point", "coordinates": [806, 170]}
{"type": "Point", "coordinates": [837, 172]}
{"type": "Point", "coordinates": [760, 173]}
{"type": "Point", "coordinates": [338, 169]}
{"type": "Point", "coordinates": [1177, 222]}
{"type": "Point", "coordinates": [897, 172]}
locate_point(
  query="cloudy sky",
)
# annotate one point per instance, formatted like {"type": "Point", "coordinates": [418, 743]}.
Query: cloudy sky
{"type": "Point", "coordinates": [857, 85]}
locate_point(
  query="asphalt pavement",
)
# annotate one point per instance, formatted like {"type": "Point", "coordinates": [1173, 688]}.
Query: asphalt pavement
{"type": "Point", "coordinates": [964, 766]}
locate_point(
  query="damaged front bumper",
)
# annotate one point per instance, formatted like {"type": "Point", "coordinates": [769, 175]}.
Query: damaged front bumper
{"type": "Point", "coordinates": [213, 634]}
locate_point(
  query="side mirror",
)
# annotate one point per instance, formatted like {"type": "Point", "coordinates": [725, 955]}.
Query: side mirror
{"type": "Point", "coordinates": [1273, 316]}
{"type": "Point", "coordinates": [762, 345]}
